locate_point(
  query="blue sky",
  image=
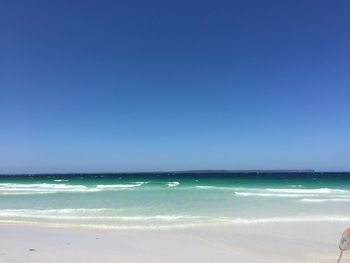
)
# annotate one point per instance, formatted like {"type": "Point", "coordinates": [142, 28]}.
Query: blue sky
{"type": "Point", "coordinates": [88, 86]}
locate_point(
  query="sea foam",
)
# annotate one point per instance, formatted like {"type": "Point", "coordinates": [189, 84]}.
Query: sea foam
{"type": "Point", "coordinates": [8, 188]}
{"type": "Point", "coordinates": [316, 200]}
{"type": "Point", "coordinates": [290, 192]}
{"type": "Point", "coordinates": [304, 219]}
{"type": "Point", "coordinates": [116, 186]}
{"type": "Point", "coordinates": [305, 191]}
{"type": "Point", "coordinates": [47, 188]}
{"type": "Point", "coordinates": [272, 194]}
{"type": "Point", "coordinates": [173, 184]}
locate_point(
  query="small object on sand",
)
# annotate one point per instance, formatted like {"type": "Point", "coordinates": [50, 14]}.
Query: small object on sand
{"type": "Point", "coordinates": [344, 242]}
{"type": "Point", "coordinates": [32, 249]}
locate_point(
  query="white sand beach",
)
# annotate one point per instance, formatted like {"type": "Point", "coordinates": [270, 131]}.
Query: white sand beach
{"type": "Point", "coordinates": [281, 242]}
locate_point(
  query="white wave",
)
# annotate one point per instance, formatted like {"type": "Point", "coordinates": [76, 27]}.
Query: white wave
{"type": "Point", "coordinates": [271, 190]}
{"type": "Point", "coordinates": [306, 191]}
{"type": "Point", "coordinates": [62, 211]}
{"type": "Point", "coordinates": [291, 220]}
{"type": "Point", "coordinates": [25, 193]}
{"type": "Point", "coordinates": [9, 188]}
{"type": "Point", "coordinates": [290, 192]}
{"type": "Point", "coordinates": [173, 184]}
{"type": "Point", "coordinates": [222, 188]}
{"type": "Point", "coordinates": [315, 200]}
{"type": "Point", "coordinates": [104, 226]}
{"type": "Point", "coordinates": [80, 214]}
{"type": "Point", "coordinates": [273, 195]}
{"type": "Point", "coordinates": [47, 188]}
{"type": "Point", "coordinates": [60, 180]}
{"type": "Point", "coordinates": [159, 225]}
{"type": "Point", "coordinates": [115, 186]}
{"type": "Point", "coordinates": [205, 187]}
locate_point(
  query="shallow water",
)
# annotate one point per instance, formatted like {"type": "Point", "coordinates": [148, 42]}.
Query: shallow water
{"type": "Point", "coordinates": [172, 200]}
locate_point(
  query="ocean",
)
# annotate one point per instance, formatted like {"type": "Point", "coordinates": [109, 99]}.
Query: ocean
{"type": "Point", "coordinates": [160, 201]}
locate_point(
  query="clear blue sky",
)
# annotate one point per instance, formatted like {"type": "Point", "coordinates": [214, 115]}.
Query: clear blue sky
{"type": "Point", "coordinates": [89, 86]}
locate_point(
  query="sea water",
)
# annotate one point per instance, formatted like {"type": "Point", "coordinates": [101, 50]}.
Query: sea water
{"type": "Point", "coordinates": [174, 200]}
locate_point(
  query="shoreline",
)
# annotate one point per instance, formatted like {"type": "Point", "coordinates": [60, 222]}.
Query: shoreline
{"type": "Point", "coordinates": [283, 242]}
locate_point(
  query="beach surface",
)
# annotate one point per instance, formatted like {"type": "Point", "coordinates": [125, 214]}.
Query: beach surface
{"type": "Point", "coordinates": [297, 217]}
{"type": "Point", "coordinates": [281, 242]}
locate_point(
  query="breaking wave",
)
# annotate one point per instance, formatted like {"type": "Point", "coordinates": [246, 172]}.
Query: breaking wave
{"type": "Point", "coordinates": [47, 188]}
{"type": "Point", "coordinates": [117, 186]}
{"type": "Point", "coordinates": [173, 184]}
{"type": "Point", "coordinates": [95, 218]}
{"type": "Point", "coordinates": [286, 192]}
{"type": "Point", "coordinates": [316, 200]}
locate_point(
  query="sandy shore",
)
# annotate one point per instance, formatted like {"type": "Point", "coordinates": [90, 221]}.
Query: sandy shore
{"type": "Point", "coordinates": [282, 242]}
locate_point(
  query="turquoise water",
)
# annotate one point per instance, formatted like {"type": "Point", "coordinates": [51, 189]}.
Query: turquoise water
{"type": "Point", "coordinates": [167, 201]}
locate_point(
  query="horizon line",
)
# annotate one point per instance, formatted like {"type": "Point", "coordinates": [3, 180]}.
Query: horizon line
{"type": "Point", "coordinates": [208, 171]}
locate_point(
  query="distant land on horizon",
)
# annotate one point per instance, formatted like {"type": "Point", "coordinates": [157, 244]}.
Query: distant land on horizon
{"type": "Point", "coordinates": [249, 171]}
{"type": "Point", "coordinates": [219, 171]}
